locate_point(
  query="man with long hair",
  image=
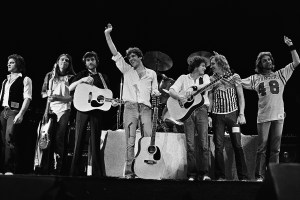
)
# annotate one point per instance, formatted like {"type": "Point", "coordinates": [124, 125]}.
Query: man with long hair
{"type": "Point", "coordinates": [269, 85]}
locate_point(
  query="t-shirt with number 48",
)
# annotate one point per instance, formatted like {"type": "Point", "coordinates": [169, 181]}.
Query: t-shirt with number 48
{"type": "Point", "coordinates": [270, 92]}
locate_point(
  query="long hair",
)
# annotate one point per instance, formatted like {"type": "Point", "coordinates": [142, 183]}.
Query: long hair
{"type": "Point", "coordinates": [221, 62]}
{"type": "Point", "coordinates": [20, 63]}
{"type": "Point", "coordinates": [258, 64]}
{"type": "Point", "coordinates": [70, 69]}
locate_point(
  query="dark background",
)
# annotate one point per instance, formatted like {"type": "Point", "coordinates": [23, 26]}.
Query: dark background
{"type": "Point", "coordinates": [40, 31]}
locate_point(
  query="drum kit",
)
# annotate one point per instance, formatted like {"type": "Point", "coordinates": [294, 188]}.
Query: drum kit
{"type": "Point", "coordinates": [161, 62]}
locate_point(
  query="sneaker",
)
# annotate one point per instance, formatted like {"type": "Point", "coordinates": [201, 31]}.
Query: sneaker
{"type": "Point", "coordinates": [129, 176]}
{"type": "Point", "coordinates": [8, 173]}
{"type": "Point", "coordinates": [260, 180]}
{"type": "Point", "coordinates": [206, 178]}
{"type": "Point", "coordinates": [1, 173]}
{"type": "Point", "coordinates": [191, 178]}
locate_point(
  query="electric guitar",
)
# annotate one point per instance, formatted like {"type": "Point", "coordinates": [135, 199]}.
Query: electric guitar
{"type": "Point", "coordinates": [89, 97]}
{"type": "Point", "coordinates": [180, 111]}
{"type": "Point", "coordinates": [149, 163]}
{"type": "Point", "coordinates": [43, 131]}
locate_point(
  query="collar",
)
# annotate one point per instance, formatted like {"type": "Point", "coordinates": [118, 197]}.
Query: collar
{"type": "Point", "coordinates": [18, 75]}
{"type": "Point", "coordinates": [190, 77]}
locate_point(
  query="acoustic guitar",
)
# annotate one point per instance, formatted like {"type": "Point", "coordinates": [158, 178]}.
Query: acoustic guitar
{"type": "Point", "coordinates": [149, 163]}
{"type": "Point", "coordinates": [180, 111]}
{"type": "Point", "coordinates": [89, 97]}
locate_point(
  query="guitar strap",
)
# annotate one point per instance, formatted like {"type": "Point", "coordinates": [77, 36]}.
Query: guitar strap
{"type": "Point", "coordinates": [200, 80]}
{"type": "Point", "coordinates": [103, 81]}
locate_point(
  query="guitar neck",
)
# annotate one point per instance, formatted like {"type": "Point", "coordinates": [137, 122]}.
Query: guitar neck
{"type": "Point", "coordinates": [154, 124]}
{"type": "Point", "coordinates": [207, 86]}
{"type": "Point", "coordinates": [112, 99]}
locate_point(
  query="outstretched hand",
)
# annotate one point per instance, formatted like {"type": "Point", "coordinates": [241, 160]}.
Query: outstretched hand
{"type": "Point", "coordinates": [108, 29]}
{"type": "Point", "coordinates": [288, 41]}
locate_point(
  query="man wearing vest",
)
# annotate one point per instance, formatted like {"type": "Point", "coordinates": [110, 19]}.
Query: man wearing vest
{"type": "Point", "coordinates": [15, 97]}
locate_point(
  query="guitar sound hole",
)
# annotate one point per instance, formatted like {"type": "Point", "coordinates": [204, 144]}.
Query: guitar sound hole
{"type": "Point", "coordinates": [155, 151]}
{"type": "Point", "coordinates": [151, 149]}
{"type": "Point", "coordinates": [100, 99]}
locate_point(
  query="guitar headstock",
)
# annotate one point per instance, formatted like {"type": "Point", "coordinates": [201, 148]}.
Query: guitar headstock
{"type": "Point", "coordinates": [227, 75]}
{"type": "Point", "coordinates": [155, 101]}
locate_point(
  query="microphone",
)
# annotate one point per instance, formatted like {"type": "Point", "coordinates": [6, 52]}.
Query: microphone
{"type": "Point", "coordinates": [163, 76]}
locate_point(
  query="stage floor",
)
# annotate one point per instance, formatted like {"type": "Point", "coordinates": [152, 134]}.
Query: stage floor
{"type": "Point", "coordinates": [60, 187]}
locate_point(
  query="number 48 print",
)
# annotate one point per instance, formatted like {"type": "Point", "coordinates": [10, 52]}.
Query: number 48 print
{"type": "Point", "coordinates": [273, 85]}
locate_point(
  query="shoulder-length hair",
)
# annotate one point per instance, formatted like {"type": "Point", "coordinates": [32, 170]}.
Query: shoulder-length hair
{"type": "Point", "coordinates": [221, 62]}
{"type": "Point", "coordinates": [258, 64]}
{"type": "Point", "coordinates": [70, 69]}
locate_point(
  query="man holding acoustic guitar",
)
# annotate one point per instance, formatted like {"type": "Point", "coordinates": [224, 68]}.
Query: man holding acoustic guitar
{"type": "Point", "coordinates": [195, 118]}
{"type": "Point", "coordinates": [139, 84]}
{"type": "Point", "coordinates": [90, 77]}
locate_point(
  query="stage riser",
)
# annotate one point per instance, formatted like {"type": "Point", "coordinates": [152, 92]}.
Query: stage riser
{"type": "Point", "coordinates": [173, 148]}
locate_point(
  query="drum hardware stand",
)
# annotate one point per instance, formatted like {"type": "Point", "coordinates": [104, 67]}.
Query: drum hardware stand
{"type": "Point", "coordinates": [119, 111]}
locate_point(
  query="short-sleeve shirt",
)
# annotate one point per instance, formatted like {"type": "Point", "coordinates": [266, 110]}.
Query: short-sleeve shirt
{"type": "Point", "coordinates": [269, 89]}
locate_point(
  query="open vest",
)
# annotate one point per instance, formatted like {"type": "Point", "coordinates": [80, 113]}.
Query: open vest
{"type": "Point", "coordinates": [15, 98]}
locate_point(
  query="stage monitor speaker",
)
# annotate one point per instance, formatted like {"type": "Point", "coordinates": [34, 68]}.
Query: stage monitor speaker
{"type": "Point", "coordinates": [282, 182]}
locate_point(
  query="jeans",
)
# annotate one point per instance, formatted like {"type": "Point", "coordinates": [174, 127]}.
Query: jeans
{"type": "Point", "coordinates": [196, 132]}
{"type": "Point", "coordinates": [268, 132]}
{"type": "Point", "coordinates": [10, 143]}
{"type": "Point", "coordinates": [135, 115]}
{"type": "Point", "coordinates": [220, 121]}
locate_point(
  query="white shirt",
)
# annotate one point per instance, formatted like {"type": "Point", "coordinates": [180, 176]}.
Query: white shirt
{"type": "Point", "coordinates": [185, 81]}
{"type": "Point", "coordinates": [10, 80]}
{"type": "Point", "coordinates": [60, 87]}
{"type": "Point", "coordinates": [136, 89]}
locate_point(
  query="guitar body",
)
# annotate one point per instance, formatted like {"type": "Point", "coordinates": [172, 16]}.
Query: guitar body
{"type": "Point", "coordinates": [182, 112]}
{"type": "Point", "coordinates": [88, 97]}
{"type": "Point", "coordinates": [148, 163]}
{"type": "Point", "coordinates": [43, 141]}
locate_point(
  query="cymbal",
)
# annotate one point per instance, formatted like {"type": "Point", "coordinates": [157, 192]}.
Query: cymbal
{"type": "Point", "coordinates": [204, 54]}
{"type": "Point", "coordinates": [157, 61]}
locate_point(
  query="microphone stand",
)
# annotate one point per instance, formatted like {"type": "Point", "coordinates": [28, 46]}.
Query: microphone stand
{"type": "Point", "coordinates": [120, 106]}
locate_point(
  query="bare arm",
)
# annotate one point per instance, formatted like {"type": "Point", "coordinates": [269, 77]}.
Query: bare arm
{"type": "Point", "coordinates": [241, 100]}
{"type": "Point", "coordinates": [294, 53]}
{"type": "Point", "coordinates": [19, 117]}
{"type": "Point", "coordinates": [109, 41]}
{"type": "Point", "coordinates": [87, 79]}
{"type": "Point", "coordinates": [60, 98]}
